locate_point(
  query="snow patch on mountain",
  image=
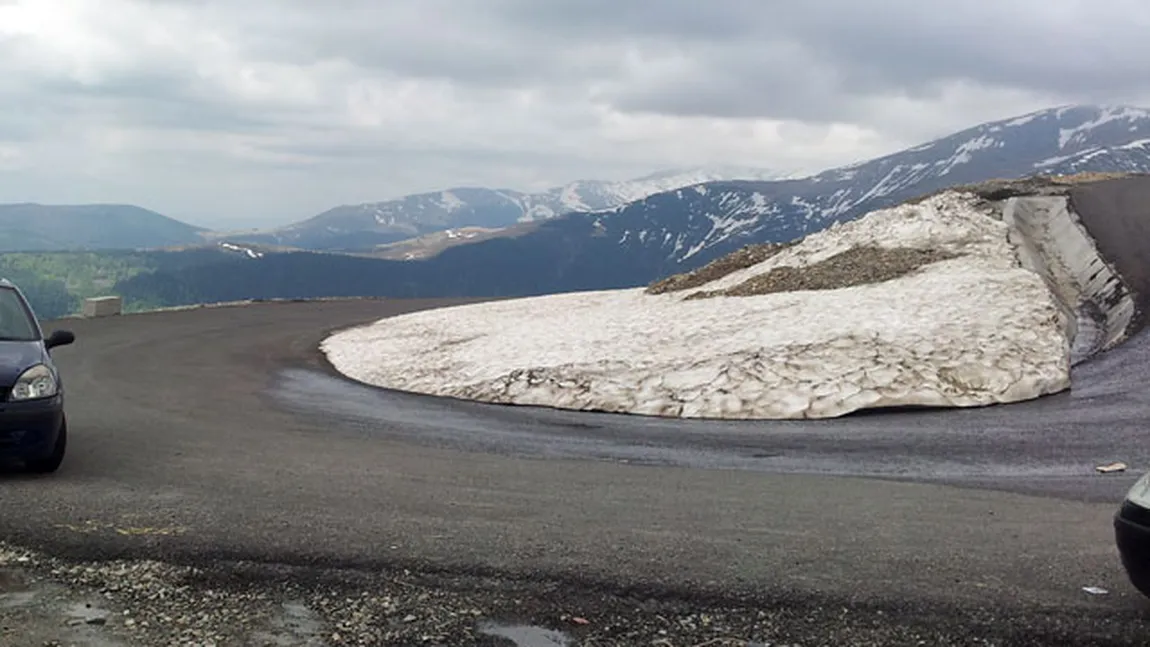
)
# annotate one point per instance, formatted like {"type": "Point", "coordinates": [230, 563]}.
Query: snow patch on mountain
{"type": "Point", "coordinates": [450, 202]}
{"type": "Point", "coordinates": [1106, 114]}
{"type": "Point", "coordinates": [242, 249]}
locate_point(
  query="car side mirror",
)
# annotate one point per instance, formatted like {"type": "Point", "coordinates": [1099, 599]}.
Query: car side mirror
{"type": "Point", "coordinates": [60, 338]}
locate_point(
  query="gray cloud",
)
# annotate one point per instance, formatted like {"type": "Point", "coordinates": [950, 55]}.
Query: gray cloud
{"type": "Point", "coordinates": [303, 102]}
{"type": "Point", "coordinates": [1072, 47]}
{"type": "Point", "coordinates": [823, 59]}
{"type": "Point", "coordinates": [677, 20]}
{"type": "Point", "coordinates": [820, 60]}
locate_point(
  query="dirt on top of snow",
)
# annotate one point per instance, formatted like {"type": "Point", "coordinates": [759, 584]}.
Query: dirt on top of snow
{"type": "Point", "coordinates": [856, 266]}
{"type": "Point", "coordinates": [1034, 185]}
{"type": "Point", "coordinates": [865, 264]}
{"type": "Point", "coordinates": [1090, 176]}
{"type": "Point", "coordinates": [737, 260]}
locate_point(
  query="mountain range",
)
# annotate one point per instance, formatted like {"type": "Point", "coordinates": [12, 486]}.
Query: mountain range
{"type": "Point", "coordinates": [526, 249]}
{"type": "Point", "coordinates": [363, 226]}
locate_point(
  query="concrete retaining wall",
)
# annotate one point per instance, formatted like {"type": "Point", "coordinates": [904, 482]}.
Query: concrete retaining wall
{"type": "Point", "coordinates": [103, 306]}
{"type": "Point", "coordinates": [1116, 213]}
{"type": "Point", "coordinates": [1053, 242]}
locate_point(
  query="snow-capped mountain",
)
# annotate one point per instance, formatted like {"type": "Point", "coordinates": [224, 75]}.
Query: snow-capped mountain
{"type": "Point", "coordinates": [365, 225]}
{"type": "Point", "coordinates": [694, 224]}
{"type": "Point", "coordinates": [595, 195]}
{"type": "Point", "coordinates": [680, 229]}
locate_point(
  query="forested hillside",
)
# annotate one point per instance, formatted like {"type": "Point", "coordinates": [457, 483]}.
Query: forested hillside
{"type": "Point", "coordinates": [56, 283]}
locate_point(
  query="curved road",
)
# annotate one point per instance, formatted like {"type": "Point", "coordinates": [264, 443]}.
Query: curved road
{"type": "Point", "coordinates": [227, 425]}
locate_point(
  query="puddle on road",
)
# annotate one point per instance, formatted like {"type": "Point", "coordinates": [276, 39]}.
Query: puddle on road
{"type": "Point", "coordinates": [83, 613]}
{"type": "Point", "coordinates": [39, 612]}
{"type": "Point", "coordinates": [12, 581]}
{"type": "Point", "coordinates": [535, 636]}
{"type": "Point", "coordinates": [299, 626]}
{"type": "Point", "coordinates": [526, 635]}
{"type": "Point", "coordinates": [17, 599]}
{"type": "Point", "coordinates": [14, 589]}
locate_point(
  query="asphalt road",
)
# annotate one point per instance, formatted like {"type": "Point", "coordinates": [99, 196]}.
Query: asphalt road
{"type": "Point", "coordinates": [223, 431]}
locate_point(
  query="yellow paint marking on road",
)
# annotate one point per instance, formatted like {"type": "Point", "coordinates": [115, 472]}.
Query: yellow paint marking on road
{"type": "Point", "coordinates": [91, 526]}
{"type": "Point", "coordinates": [88, 526]}
{"type": "Point", "coordinates": [151, 531]}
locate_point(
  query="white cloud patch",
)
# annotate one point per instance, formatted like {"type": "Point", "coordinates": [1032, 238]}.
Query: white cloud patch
{"type": "Point", "coordinates": [256, 112]}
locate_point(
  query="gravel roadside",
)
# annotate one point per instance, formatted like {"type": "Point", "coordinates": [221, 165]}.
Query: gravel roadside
{"type": "Point", "coordinates": [48, 602]}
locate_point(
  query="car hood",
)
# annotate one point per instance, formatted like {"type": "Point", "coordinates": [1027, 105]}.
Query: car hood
{"type": "Point", "coordinates": [16, 357]}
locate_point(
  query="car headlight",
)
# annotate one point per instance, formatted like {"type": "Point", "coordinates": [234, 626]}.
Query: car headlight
{"type": "Point", "coordinates": [35, 383]}
{"type": "Point", "coordinates": [1139, 494]}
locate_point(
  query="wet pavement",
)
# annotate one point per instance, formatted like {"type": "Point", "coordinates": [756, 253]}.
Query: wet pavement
{"type": "Point", "coordinates": [526, 635]}
{"type": "Point", "coordinates": [1037, 447]}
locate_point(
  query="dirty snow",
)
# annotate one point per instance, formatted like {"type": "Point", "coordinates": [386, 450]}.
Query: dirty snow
{"type": "Point", "coordinates": [974, 330]}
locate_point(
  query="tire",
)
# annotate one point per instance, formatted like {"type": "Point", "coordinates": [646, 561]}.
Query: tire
{"type": "Point", "coordinates": [51, 462]}
{"type": "Point", "coordinates": [1139, 581]}
{"type": "Point", "coordinates": [1136, 570]}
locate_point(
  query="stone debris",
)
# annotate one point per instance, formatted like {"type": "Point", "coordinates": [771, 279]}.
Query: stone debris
{"type": "Point", "coordinates": [718, 268]}
{"type": "Point", "coordinates": [861, 265]}
{"type": "Point", "coordinates": [51, 602]}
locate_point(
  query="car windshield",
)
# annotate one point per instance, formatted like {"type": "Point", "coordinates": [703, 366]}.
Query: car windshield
{"type": "Point", "coordinates": [16, 324]}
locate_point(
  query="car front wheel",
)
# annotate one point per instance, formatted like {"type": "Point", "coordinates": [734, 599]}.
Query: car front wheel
{"type": "Point", "coordinates": [51, 462]}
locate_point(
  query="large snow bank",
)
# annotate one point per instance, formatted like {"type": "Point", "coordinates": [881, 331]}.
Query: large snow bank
{"type": "Point", "coordinates": [976, 329]}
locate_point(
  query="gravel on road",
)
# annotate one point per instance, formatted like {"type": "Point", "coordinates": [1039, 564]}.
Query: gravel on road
{"type": "Point", "coordinates": [50, 602]}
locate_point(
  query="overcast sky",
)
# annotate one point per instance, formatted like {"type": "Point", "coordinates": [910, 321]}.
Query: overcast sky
{"type": "Point", "coordinates": [254, 112]}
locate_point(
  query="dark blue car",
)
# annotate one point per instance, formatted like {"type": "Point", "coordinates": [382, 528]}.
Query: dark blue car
{"type": "Point", "coordinates": [1132, 531]}
{"type": "Point", "coordinates": [33, 427]}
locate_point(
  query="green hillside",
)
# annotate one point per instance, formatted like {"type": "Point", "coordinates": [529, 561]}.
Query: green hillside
{"type": "Point", "coordinates": [57, 282]}
{"type": "Point", "coordinates": [35, 227]}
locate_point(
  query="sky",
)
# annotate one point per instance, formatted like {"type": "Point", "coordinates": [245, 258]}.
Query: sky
{"type": "Point", "coordinates": [251, 113]}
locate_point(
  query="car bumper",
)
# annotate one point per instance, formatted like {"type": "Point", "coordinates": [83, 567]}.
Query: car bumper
{"type": "Point", "coordinates": [29, 429]}
{"type": "Point", "coordinates": [1132, 534]}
